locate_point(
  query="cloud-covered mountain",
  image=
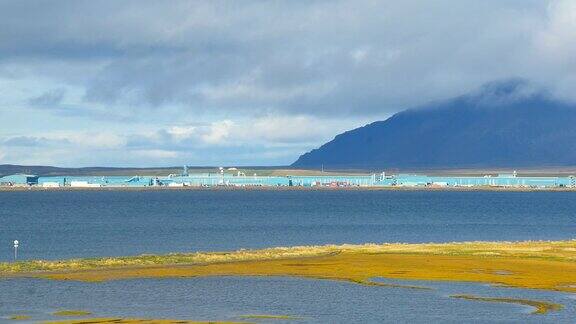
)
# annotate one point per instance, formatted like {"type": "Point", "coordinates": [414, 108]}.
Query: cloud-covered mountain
{"type": "Point", "coordinates": [504, 124]}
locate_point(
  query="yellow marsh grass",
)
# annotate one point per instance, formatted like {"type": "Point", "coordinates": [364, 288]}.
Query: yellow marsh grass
{"type": "Point", "coordinates": [538, 264]}
{"type": "Point", "coordinates": [133, 321]}
{"type": "Point", "coordinates": [540, 307]}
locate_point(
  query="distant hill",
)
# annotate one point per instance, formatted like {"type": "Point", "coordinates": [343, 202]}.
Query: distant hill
{"type": "Point", "coordinates": [7, 169]}
{"type": "Point", "coordinates": [505, 124]}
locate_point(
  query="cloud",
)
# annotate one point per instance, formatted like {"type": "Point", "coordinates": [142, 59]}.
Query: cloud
{"type": "Point", "coordinates": [183, 137]}
{"type": "Point", "coordinates": [300, 130]}
{"type": "Point", "coordinates": [555, 49]}
{"type": "Point", "coordinates": [317, 57]}
{"type": "Point", "coordinates": [155, 154]}
{"type": "Point", "coordinates": [557, 39]}
{"type": "Point", "coordinates": [218, 132]}
{"type": "Point", "coordinates": [291, 129]}
{"type": "Point", "coordinates": [274, 140]}
{"type": "Point", "coordinates": [84, 139]}
{"type": "Point", "coordinates": [49, 98]}
{"type": "Point", "coordinates": [204, 78]}
{"type": "Point", "coordinates": [32, 141]}
{"type": "Point", "coordinates": [97, 140]}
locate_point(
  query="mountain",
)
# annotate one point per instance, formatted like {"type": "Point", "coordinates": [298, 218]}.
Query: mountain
{"type": "Point", "coordinates": [7, 169]}
{"type": "Point", "coordinates": [504, 124]}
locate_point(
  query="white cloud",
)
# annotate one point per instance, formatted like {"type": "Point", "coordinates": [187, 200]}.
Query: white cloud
{"type": "Point", "coordinates": [182, 132]}
{"type": "Point", "coordinates": [155, 154]}
{"type": "Point", "coordinates": [359, 54]}
{"type": "Point", "coordinates": [558, 37]}
{"type": "Point", "coordinates": [276, 140]}
{"type": "Point", "coordinates": [291, 129]}
{"type": "Point", "coordinates": [273, 130]}
{"type": "Point", "coordinates": [215, 133]}
{"type": "Point", "coordinates": [218, 132]}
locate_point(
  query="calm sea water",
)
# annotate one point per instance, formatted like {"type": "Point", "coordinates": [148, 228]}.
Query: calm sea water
{"type": "Point", "coordinates": [313, 301]}
{"type": "Point", "coordinates": [54, 225]}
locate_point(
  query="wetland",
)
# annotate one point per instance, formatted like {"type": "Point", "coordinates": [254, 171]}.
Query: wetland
{"type": "Point", "coordinates": [289, 256]}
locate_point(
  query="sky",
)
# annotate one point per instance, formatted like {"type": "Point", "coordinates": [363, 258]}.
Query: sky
{"type": "Point", "coordinates": [165, 83]}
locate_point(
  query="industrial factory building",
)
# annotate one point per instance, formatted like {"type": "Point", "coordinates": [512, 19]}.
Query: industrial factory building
{"type": "Point", "coordinates": [239, 179]}
{"type": "Point", "coordinates": [19, 180]}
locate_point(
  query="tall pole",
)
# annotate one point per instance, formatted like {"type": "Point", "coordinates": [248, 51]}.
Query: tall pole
{"type": "Point", "coordinates": [15, 250]}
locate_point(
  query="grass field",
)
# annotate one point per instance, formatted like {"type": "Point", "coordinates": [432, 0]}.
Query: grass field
{"type": "Point", "coordinates": [533, 264]}
{"type": "Point", "coordinates": [134, 321]}
{"type": "Point", "coordinates": [538, 264]}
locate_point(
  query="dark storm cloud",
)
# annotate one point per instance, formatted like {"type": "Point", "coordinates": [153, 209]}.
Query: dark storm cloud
{"type": "Point", "coordinates": [325, 58]}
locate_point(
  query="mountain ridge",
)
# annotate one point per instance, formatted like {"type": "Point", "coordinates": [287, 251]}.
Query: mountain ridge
{"type": "Point", "coordinates": [504, 124]}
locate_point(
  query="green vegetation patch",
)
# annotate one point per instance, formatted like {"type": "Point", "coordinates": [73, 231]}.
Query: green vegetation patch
{"type": "Point", "coordinates": [20, 317]}
{"type": "Point", "coordinates": [559, 251]}
{"type": "Point", "coordinates": [155, 260]}
{"type": "Point", "coordinates": [134, 321]}
{"type": "Point", "coordinates": [540, 307]}
{"type": "Point", "coordinates": [71, 313]}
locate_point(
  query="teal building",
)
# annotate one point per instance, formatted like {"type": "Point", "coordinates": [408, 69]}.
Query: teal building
{"type": "Point", "coordinates": [19, 179]}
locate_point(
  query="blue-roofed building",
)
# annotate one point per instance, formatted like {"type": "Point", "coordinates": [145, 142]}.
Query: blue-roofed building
{"type": "Point", "coordinates": [19, 179]}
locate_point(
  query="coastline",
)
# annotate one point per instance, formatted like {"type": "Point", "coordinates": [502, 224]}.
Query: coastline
{"type": "Point", "coordinates": [541, 265]}
{"type": "Point", "coordinates": [548, 265]}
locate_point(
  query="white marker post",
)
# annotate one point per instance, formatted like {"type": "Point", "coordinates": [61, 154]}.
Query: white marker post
{"type": "Point", "coordinates": [16, 250]}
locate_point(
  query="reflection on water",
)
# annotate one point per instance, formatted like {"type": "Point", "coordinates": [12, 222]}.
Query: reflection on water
{"type": "Point", "coordinates": [315, 301]}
